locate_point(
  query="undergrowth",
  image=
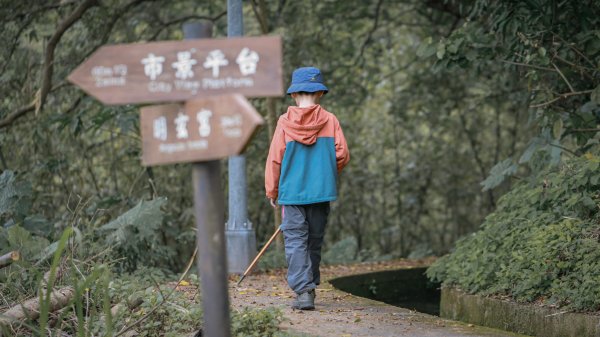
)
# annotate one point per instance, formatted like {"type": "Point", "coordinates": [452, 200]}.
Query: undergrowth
{"type": "Point", "coordinates": [146, 302]}
{"type": "Point", "coordinates": [541, 245]}
{"type": "Point", "coordinates": [114, 276]}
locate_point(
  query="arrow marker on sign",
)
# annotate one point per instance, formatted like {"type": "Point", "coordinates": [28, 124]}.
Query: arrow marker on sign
{"type": "Point", "coordinates": [182, 70]}
{"type": "Point", "coordinates": [201, 130]}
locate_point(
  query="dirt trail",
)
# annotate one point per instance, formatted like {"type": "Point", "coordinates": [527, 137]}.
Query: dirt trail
{"type": "Point", "coordinates": [340, 314]}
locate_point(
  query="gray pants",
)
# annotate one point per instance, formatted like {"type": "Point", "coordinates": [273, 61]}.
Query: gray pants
{"type": "Point", "coordinates": [303, 231]}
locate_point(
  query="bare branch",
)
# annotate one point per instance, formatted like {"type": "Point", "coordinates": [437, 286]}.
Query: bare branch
{"type": "Point", "coordinates": [261, 15]}
{"type": "Point", "coordinates": [46, 85]}
{"type": "Point", "coordinates": [528, 65]}
{"type": "Point", "coordinates": [117, 14]}
{"type": "Point", "coordinates": [19, 16]}
{"type": "Point", "coordinates": [165, 298]}
{"type": "Point", "coordinates": [564, 149]}
{"type": "Point", "coordinates": [450, 7]}
{"type": "Point", "coordinates": [372, 31]}
{"type": "Point", "coordinates": [570, 45]}
{"type": "Point", "coordinates": [578, 66]}
{"type": "Point", "coordinates": [280, 8]}
{"type": "Point", "coordinates": [563, 77]}
{"type": "Point", "coordinates": [53, 42]}
{"type": "Point", "coordinates": [8, 120]}
{"type": "Point", "coordinates": [474, 145]}
{"type": "Point", "coordinates": [15, 44]}
{"type": "Point", "coordinates": [585, 130]}
{"type": "Point", "coordinates": [561, 96]}
{"type": "Point", "coordinates": [184, 19]}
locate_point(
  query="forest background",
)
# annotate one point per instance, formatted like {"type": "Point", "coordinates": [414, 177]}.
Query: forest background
{"type": "Point", "coordinates": [445, 105]}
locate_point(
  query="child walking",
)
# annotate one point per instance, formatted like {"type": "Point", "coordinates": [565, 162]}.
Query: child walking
{"type": "Point", "coordinates": [307, 153]}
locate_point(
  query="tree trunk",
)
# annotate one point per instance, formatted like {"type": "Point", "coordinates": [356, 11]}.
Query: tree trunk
{"type": "Point", "coordinates": [475, 149]}
{"type": "Point", "coordinates": [271, 125]}
{"type": "Point", "coordinates": [261, 11]}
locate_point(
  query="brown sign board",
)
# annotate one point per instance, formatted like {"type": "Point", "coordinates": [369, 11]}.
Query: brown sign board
{"type": "Point", "coordinates": [199, 130]}
{"type": "Point", "coordinates": [182, 70]}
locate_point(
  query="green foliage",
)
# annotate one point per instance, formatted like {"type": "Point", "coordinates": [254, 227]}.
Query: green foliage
{"type": "Point", "coordinates": [176, 316]}
{"type": "Point", "coordinates": [420, 252]}
{"type": "Point", "coordinates": [555, 49]}
{"type": "Point", "coordinates": [45, 296]}
{"type": "Point", "coordinates": [420, 140]}
{"type": "Point", "coordinates": [254, 322]}
{"type": "Point", "coordinates": [136, 237]}
{"type": "Point", "coordinates": [343, 251]}
{"type": "Point", "coordinates": [272, 259]}
{"type": "Point", "coordinates": [15, 197]}
{"type": "Point", "coordinates": [18, 238]}
{"type": "Point", "coordinates": [541, 244]}
{"type": "Point", "coordinates": [499, 173]}
{"type": "Point", "coordinates": [182, 312]}
{"type": "Point", "coordinates": [160, 310]}
{"type": "Point", "coordinates": [430, 103]}
{"type": "Point", "coordinates": [20, 280]}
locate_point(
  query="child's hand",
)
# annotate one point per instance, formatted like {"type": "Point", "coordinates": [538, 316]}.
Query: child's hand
{"type": "Point", "coordinates": [273, 202]}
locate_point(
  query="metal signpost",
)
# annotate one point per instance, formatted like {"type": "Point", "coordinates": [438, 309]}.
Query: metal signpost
{"type": "Point", "coordinates": [212, 76]}
{"type": "Point", "coordinates": [241, 238]}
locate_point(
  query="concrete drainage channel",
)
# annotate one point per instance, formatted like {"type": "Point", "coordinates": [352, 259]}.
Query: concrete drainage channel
{"type": "Point", "coordinates": [406, 288]}
{"type": "Point", "coordinates": [410, 289]}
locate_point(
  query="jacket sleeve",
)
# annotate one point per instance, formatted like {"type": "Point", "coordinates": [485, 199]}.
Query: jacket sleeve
{"type": "Point", "coordinates": [342, 154]}
{"type": "Point", "coordinates": [273, 165]}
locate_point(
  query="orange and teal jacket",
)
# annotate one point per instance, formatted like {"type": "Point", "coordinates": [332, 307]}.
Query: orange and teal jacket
{"type": "Point", "coordinates": [307, 153]}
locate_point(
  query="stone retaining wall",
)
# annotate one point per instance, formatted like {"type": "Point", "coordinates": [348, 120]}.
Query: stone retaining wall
{"type": "Point", "coordinates": [525, 319]}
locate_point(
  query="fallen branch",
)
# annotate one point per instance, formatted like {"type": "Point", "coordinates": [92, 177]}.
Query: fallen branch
{"type": "Point", "coordinates": [8, 258]}
{"type": "Point", "coordinates": [115, 309]}
{"type": "Point", "coordinates": [30, 309]}
{"type": "Point", "coordinates": [60, 270]}
{"type": "Point", "coordinates": [131, 306]}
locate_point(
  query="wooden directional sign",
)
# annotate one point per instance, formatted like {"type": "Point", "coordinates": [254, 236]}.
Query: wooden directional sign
{"type": "Point", "coordinates": [200, 130]}
{"type": "Point", "coordinates": [181, 70]}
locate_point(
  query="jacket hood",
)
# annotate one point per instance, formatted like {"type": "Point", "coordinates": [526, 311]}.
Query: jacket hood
{"type": "Point", "coordinates": [303, 124]}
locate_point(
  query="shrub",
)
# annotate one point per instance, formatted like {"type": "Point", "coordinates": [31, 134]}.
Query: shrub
{"type": "Point", "coordinates": [256, 322]}
{"type": "Point", "coordinates": [541, 244]}
{"type": "Point", "coordinates": [137, 236]}
{"type": "Point", "coordinates": [343, 251]}
{"type": "Point", "coordinates": [272, 259]}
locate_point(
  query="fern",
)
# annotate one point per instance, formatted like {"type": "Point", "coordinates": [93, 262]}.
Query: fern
{"type": "Point", "coordinates": [137, 235]}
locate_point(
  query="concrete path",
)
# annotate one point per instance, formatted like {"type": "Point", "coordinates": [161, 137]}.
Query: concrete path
{"type": "Point", "coordinates": [343, 315]}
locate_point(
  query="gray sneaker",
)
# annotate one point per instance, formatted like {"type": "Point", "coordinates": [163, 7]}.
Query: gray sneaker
{"type": "Point", "coordinates": [305, 301]}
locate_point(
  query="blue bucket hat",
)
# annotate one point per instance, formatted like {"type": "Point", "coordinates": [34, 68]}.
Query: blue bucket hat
{"type": "Point", "coordinates": [307, 79]}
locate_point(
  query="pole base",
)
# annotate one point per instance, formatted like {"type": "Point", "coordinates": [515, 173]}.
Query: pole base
{"type": "Point", "coordinates": [241, 249]}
